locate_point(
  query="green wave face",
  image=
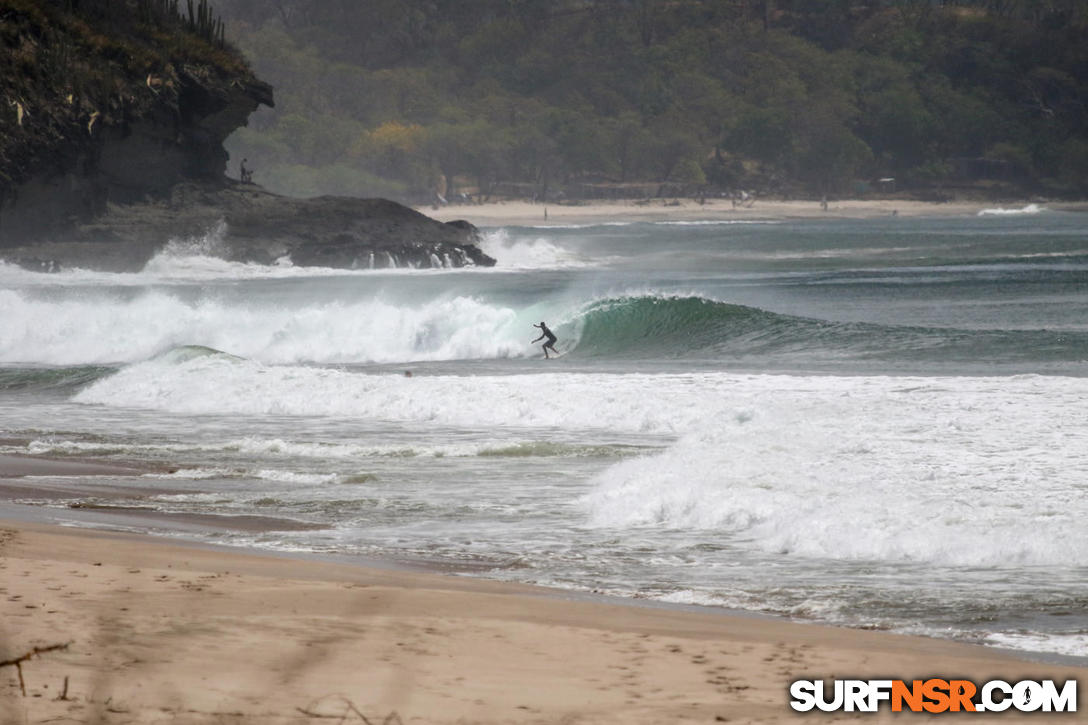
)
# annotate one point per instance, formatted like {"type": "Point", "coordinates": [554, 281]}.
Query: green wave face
{"type": "Point", "coordinates": [62, 379]}
{"type": "Point", "coordinates": [185, 353]}
{"type": "Point", "coordinates": [681, 327]}
{"type": "Point", "coordinates": [647, 327]}
{"type": "Point", "coordinates": [68, 378]}
{"type": "Point", "coordinates": [547, 449]}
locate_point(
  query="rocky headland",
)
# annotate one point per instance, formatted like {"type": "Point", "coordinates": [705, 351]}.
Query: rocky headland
{"type": "Point", "coordinates": [111, 145]}
{"type": "Point", "coordinates": [245, 223]}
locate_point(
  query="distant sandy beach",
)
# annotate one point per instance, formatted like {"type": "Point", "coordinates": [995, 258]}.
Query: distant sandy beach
{"type": "Point", "coordinates": [158, 631]}
{"type": "Point", "coordinates": [525, 213]}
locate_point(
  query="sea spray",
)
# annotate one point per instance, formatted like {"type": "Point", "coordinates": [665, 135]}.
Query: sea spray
{"type": "Point", "coordinates": [516, 252]}
{"type": "Point", "coordinates": [121, 328]}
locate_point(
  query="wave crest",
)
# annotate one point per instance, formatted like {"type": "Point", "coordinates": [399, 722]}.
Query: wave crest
{"type": "Point", "coordinates": [1001, 211]}
{"type": "Point", "coordinates": [110, 329]}
{"type": "Point", "coordinates": [664, 326]}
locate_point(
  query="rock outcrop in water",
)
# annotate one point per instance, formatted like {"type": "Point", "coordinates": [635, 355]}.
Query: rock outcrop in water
{"type": "Point", "coordinates": [245, 223]}
{"type": "Point", "coordinates": [111, 145]}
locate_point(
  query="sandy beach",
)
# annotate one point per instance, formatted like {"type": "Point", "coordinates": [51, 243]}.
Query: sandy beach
{"type": "Point", "coordinates": [161, 632]}
{"type": "Point", "coordinates": [526, 213]}
{"type": "Point", "coordinates": [158, 631]}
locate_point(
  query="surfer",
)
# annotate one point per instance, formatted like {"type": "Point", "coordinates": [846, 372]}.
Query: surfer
{"type": "Point", "coordinates": [545, 332]}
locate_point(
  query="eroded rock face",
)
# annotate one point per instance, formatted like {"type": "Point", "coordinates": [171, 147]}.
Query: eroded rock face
{"type": "Point", "coordinates": [113, 201]}
{"type": "Point", "coordinates": [338, 232]}
{"type": "Point", "coordinates": [246, 223]}
{"type": "Point", "coordinates": [136, 155]}
{"type": "Point", "coordinates": [105, 181]}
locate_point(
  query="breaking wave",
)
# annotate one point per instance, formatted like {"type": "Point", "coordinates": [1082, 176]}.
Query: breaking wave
{"type": "Point", "coordinates": [110, 329]}
{"type": "Point", "coordinates": [1000, 211]}
{"type": "Point", "coordinates": [850, 468]}
{"type": "Point", "coordinates": [99, 329]}
{"type": "Point", "coordinates": [653, 326]}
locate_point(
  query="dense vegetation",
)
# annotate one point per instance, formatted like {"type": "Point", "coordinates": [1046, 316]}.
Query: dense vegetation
{"type": "Point", "coordinates": [407, 97]}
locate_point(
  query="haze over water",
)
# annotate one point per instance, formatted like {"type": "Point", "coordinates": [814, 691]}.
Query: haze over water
{"type": "Point", "coordinates": [873, 423]}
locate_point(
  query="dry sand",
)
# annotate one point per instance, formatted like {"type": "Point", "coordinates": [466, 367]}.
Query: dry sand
{"type": "Point", "coordinates": [161, 632]}
{"type": "Point", "coordinates": [525, 213]}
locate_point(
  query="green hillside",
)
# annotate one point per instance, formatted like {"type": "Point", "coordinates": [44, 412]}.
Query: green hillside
{"type": "Point", "coordinates": [609, 97]}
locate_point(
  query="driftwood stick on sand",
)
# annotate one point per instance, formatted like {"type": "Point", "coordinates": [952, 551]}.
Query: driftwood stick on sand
{"type": "Point", "coordinates": [17, 662]}
{"type": "Point", "coordinates": [64, 693]}
{"type": "Point", "coordinates": [391, 719]}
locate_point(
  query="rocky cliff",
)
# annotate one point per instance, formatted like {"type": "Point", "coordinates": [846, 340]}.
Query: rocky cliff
{"type": "Point", "coordinates": [245, 223]}
{"type": "Point", "coordinates": [113, 115]}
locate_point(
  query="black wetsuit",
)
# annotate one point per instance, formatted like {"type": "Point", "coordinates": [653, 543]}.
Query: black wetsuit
{"type": "Point", "coordinates": [545, 332]}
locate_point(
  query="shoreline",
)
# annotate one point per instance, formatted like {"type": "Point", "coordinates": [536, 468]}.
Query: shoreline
{"type": "Point", "coordinates": [16, 516]}
{"type": "Point", "coordinates": [194, 632]}
{"type": "Point", "coordinates": [524, 213]}
{"type": "Point", "coordinates": [23, 475]}
{"type": "Point", "coordinates": [160, 627]}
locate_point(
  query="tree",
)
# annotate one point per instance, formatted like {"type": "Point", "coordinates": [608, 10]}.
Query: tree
{"type": "Point", "coordinates": [765, 134]}
{"type": "Point", "coordinates": [829, 154]}
{"type": "Point", "coordinates": [541, 91]}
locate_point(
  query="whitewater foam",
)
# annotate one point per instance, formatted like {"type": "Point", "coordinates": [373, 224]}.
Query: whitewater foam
{"type": "Point", "coordinates": [184, 261]}
{"type": "Point", "coordinates": [197, 474]}
{"type": "Point", "coordinates": [112, 328]}
{"type": "Point", "coordinates": [107, 329]}
{"type": "Point", "coordinates": [715, 222]}
{"type": "Point", "coordinates": [218, 384]}
{"type": "Point", "coordinates": [173, 267]}
{"type": "Point", "coordinates": [265, 474]}
{"type": "Point", "coordinates": [295, 477]}
{"type": "Point", "coordinates": [1072, 645]}
{"type": "Point", "coordinates": [587, 225]}
{"type": "Point", "coordinates": [252, 446]}
{"type": "Point", "coordinates": [518, 253]}
{"type": "Point", "coordinates": [1001, 211]}
{"type": "Point", "coordinates": [859, 471]}
{"type": "Point", "coordinates": [881, 469]}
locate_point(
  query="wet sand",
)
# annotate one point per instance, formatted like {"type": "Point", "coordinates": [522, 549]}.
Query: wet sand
{"type": "Point", "coordinates": [94, 499]}
{"type": "Point", "coordinates": [158, 631]}
{"type": "Point", "coordinates": [22, 466]}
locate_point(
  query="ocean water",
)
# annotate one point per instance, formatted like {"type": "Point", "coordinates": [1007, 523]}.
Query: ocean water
{"type": "Point", "coordinates": [871, 423]}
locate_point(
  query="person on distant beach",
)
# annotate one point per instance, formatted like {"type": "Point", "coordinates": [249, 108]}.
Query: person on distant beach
{"type": "Point", "coordinates": [545, 332]}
